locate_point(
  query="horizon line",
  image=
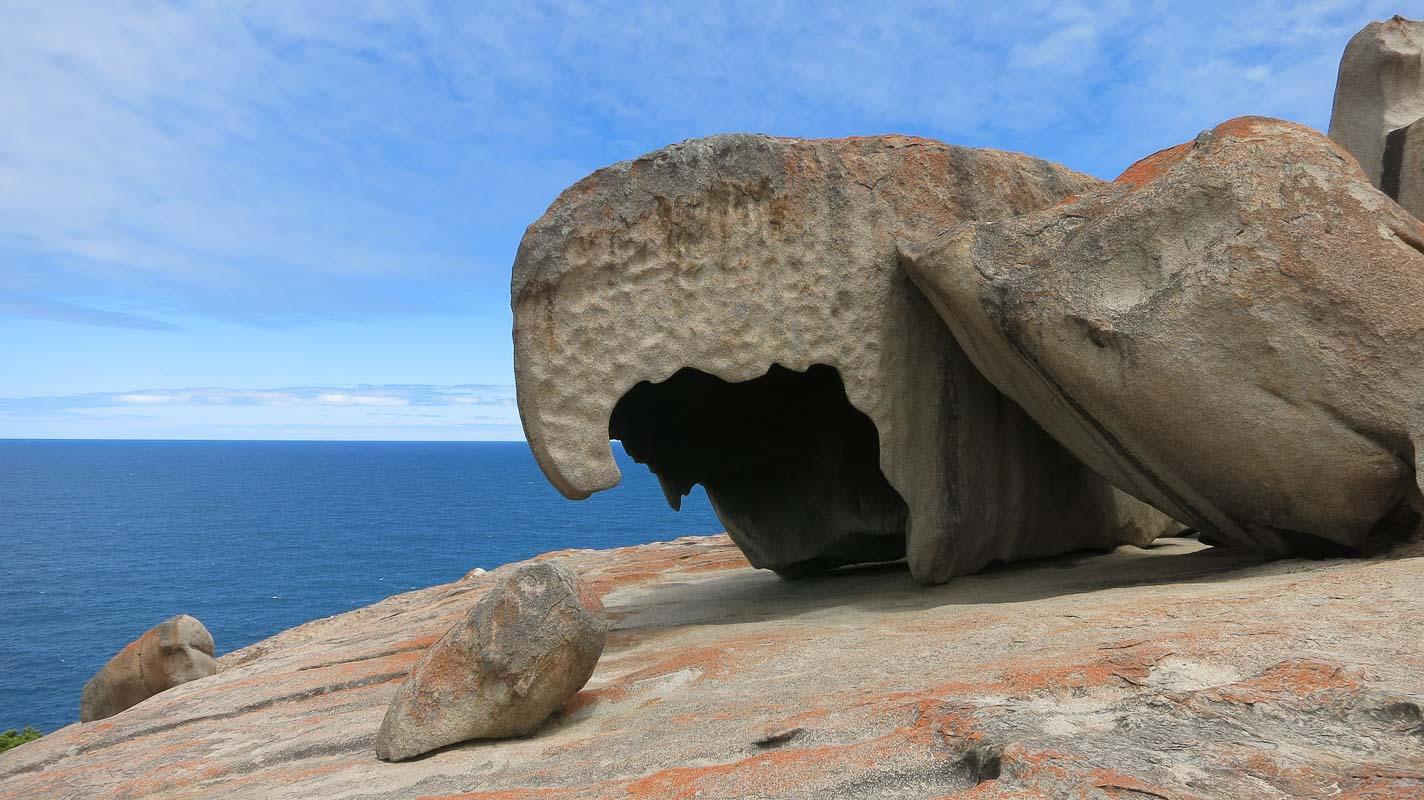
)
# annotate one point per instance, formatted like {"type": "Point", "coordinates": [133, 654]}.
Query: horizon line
{"type": "Point", "coordinates": [297, 441]}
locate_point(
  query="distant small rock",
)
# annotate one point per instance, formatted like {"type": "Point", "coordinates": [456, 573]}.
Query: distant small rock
{"type": "Point", "coordinates": [525, 648]}
{"type": "Point", "coordinates": [776, 737]}
{"type": "Point", "coordinates": [173, 652]}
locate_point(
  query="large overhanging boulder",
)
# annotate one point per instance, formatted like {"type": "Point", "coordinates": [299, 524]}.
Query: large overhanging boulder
{"type": "Point", "coordinates": [732, 309]}
{"type": "Point", "coordinates": [1233, 332]}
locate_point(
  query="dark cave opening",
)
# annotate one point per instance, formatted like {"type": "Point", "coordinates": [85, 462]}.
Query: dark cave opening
{"type": "Point", "coordinates": [791, 467]}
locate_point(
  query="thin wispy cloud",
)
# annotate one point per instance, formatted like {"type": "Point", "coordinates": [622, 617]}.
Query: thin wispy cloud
{"type": "Point", "coordinates": [307, 193]}
{"type": "Point", "coordinates": [279, 163]}
{"type": "Point", "coordinates": [384, 412]}
{"type": "Point", "coordinates": [361, 395]}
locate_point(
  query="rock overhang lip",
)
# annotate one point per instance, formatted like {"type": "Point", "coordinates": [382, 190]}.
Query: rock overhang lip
{"type": "Point", "coordinates": [798, 200]}
{"type": "Point", "coordinates": [914, 255]}
{"type": "Point", "coordinates": [564, 470]}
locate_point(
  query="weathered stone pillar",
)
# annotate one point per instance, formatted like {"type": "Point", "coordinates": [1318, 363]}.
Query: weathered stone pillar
{"type": "Point", "coordinates": [1380, 89]}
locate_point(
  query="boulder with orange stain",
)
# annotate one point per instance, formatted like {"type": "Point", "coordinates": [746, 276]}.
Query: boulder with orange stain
{"type": "Point", "coordinates": [731, 309]}
{"type": "Point", "coordinates": [1232, 332]}
{"type": "Point", "coordinates": [524, 649]}
{"type": "Point", "coordinates": [173, 652]}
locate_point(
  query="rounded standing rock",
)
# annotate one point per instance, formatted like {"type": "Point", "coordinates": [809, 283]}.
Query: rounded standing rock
{"type": "Point", "coordinates": [525, 648]}
{"type": "Point", "coordinates": [173, 652]}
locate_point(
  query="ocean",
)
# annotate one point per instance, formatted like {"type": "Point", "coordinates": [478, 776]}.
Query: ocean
{"type": "Point", "coordinates": [104, 539]}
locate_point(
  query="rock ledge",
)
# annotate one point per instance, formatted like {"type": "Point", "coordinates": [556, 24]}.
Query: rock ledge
{"type": "Point", "coordinates": [1172, 672]}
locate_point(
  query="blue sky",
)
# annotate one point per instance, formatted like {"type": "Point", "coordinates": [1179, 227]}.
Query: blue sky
{"type": "Point", "coordinates": [296, 220]}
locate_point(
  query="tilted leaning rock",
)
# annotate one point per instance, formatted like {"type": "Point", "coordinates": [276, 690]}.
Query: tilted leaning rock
{"type": "Point", "coordinates": [731, 309]}
{"type": "Point", "coordinates": [173, 652]}
{"type": "Point", "coordinates": [525, 648]}
{"type": "Point", "coordinates": [1233, 331]}
{"type": "Point", "coordinates": [1380, 89]}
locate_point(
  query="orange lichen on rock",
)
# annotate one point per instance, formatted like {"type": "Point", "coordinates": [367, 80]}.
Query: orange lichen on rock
{"type": "Point", "coordinates": [1116, 784]}
{"type": "Point", "coordinates": [523, 793]}
{"type": "Point", "coordinates": [1067, 683]}
{"type": "Point", "coordinates": [1148, 169]}
{"type": "Point", "coordinates": [719, 661]}
{"type": "Point", "coordinates": [789, 767]}
{"type": "Point", "coordinates": [590, 697]}
{"type": "Point", "coordinates": [644, 565]}
{"type": "Point", "coordinates": [1253, 126]}
{"type": "Point", "coordinates": [1290, 680]}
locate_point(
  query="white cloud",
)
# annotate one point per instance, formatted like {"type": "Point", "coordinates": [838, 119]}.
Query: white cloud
{"type": "Point", "coordinates": [146, 399]}
{"type": "Point", "coordinates": [277, 162]}
{"type": "Point", "coordinates": [360, 395]}
{"type": "Point", "coordinates": [227, 159]}
{"type": "Point", "coordinates": [302, 412]}
{"type": "Point", "coordinates": [341, 399]}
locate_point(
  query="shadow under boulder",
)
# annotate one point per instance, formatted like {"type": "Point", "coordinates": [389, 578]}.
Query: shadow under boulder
{"type": "Point", "coordinates": [791, 467]}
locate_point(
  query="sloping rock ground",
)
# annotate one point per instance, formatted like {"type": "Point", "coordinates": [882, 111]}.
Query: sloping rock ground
{"type": "Point", "coordinates": [1175, 672]}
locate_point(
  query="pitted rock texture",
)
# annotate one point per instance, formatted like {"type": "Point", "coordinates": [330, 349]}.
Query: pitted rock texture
{"type": "Point", "coordinates": [1234, 332]}
{"type": "Point", "coordinates": [523, 650]}
{"type": "Point", "coordinates": [732, 310]}
{"type": "Point", "coordinates": [171, 653]}
{"type": "Point", "coordinates": [1379, 90]}
{"type": "Point", "coordinates": [1173, 672]}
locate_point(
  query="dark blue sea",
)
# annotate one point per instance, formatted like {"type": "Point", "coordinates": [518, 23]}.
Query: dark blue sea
{"type": "Point", "coordinates": [104, 539]}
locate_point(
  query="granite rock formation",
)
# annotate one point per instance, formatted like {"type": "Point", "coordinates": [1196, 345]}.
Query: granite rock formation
{"type": "Point", "coordinates": [731, 309]}
{"type": "Point", "coordinates": [1233, 332]}
{"type": "Point", "coordinates": [1380, 89]}
{"type": "Point", "coordinates": [1176, 672]}
{"type": "Point", "coordinates": [522, 651]}
{"type": "Point", "coordinates": [1404, 175]}
{"type": "Point", "coordinates": [171, 653]}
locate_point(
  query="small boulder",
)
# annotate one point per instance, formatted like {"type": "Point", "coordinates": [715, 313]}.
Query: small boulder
{"type": "Point", "coordinates": [525, 648]}
{"type": "Point", "coordinates": [173, 652]}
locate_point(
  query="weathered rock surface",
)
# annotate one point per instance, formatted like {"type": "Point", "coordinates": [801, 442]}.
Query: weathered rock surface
{"type": "Point", "coordinates": [1139, 524]}
{"type": "Point", "coordinates": [1233, 331]}
{"type": "Point", "coordinates": [173, 652]}
{"type": "Point", "coordinates": [732, 310]}
{"type": "Point", "coordinates": [524, 649]}
{"type": "Point", "coordinates": [1404, 168]}
{"type": "Point", "coordinates": [1379, 90]}
{"type": "Point", "coordinates": [1170, 672]}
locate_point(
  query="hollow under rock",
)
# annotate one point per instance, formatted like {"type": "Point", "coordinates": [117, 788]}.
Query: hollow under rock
{"type": "Point", "coordinates": [791, 467]}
